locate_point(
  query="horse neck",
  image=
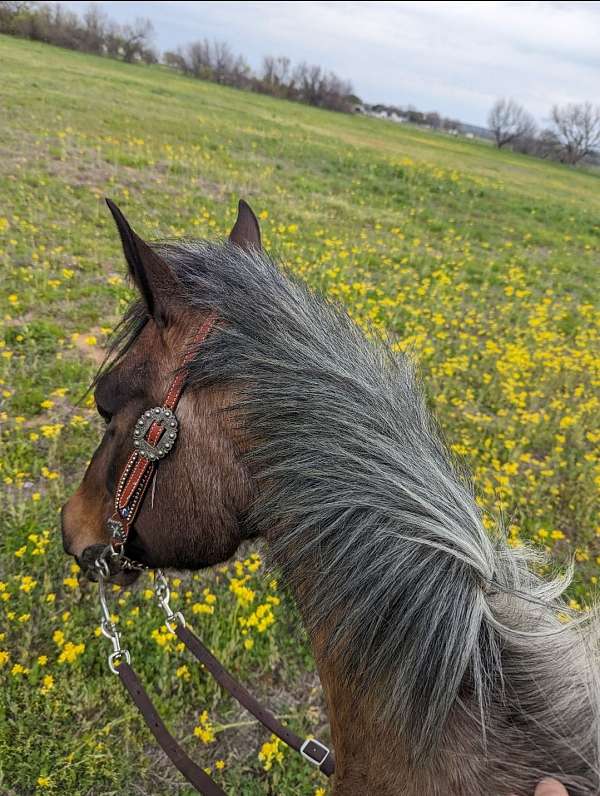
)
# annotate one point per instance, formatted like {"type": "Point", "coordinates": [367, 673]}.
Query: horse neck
{"type": "Point", "coordinates": [367, 760]}
{"type": "Point", "coordinates": [370, 757]}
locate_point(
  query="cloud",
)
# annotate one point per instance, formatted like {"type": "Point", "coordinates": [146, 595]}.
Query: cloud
{"type": "Point", "coordinates": [454, 57]}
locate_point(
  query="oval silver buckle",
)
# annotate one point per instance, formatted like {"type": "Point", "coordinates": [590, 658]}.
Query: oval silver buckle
{"type": "Point", "coordinates": [165, 418]}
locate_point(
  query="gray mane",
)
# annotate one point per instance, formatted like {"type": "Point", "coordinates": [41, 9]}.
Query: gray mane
{"type": "Point", "coordinates": [427, 616]}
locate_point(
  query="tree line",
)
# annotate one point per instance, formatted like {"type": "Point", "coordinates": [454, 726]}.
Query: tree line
{"type": "Point", "coordinates": [572, 135]}
{"type": "Point", "coordinates": [95, 33]}
{"type": "Point", "coordinates": [276, 76]}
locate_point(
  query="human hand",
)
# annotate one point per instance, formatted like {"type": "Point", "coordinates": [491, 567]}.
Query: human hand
{"type": "Point", "coordinates": [550, 787]}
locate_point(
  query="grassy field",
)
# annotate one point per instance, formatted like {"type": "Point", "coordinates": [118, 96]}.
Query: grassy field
{"type": "Point", "coordinates": [484, 264]}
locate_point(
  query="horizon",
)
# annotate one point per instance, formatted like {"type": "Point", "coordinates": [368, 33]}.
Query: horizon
{"type": "Point", "coordinates": [404, 53]}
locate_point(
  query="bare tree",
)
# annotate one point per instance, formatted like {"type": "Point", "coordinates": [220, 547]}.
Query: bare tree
{"type": "Point", "coordinates": [307, 79]}
{"type": "Point", "coordinates": [228, 68]}
{"type": "Point", "coordinates": [176, 60]}
{"type": "Point", "coordinates": [198, 59]}
{"type": "Point", "coordinates": [95, 24]}
{"type": "Point", "coordinates": [222, 61]}
{"type": "Point", "coordinates": [509, 121]}
{"type": "Point", "coordinates": [334, 93]}
{"type": "Point", "coordinates": [577, 128]}
{"type": "Point", "coordinates": [433, 119]}
{"type": "Point", "coordinates": [136, 40]}
{"type": "Point", "coordinates": [275, 75]}
{"type": "Point", "coordinates": [548, 145]}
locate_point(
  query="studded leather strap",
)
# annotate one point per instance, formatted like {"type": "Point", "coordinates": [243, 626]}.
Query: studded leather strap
{"type": "Point", "coordinates": [139, 468]}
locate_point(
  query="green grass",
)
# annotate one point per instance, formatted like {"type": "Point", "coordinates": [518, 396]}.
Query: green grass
{"type": "Point", "coordinates": [484, 264]}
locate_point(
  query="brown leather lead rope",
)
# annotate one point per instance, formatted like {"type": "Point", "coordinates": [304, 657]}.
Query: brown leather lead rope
{"type": "Point", "coordinates": [119, 663]}
{"type": "Point", "coordinates": [310, 749]}
{"type": "Point", "coordinates": [192, 772]}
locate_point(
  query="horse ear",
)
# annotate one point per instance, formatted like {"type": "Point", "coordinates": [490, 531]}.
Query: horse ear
{"type": "Point", "coordinates": [150, 273]}
{"type": "Point", "coordinates": [246, 230]}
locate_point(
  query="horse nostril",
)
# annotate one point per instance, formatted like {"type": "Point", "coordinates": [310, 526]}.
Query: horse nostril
{"type": "Point", "coordinates": [89, 556]}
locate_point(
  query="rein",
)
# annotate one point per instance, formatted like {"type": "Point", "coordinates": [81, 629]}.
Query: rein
{"type": "Point", "coordinates": [154, 435]}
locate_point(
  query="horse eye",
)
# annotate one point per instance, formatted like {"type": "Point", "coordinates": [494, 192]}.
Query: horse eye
{"type": "Point", "coordinates": [106, 416]}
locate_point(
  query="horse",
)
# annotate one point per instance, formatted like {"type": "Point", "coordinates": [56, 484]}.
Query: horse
{"type": "Point", "coordinates": [450, 666]}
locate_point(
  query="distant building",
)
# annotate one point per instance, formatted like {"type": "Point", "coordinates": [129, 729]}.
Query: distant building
{"type": "Point", "coordinates": [431, 120]}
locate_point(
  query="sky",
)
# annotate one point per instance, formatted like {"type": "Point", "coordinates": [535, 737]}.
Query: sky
{"type": "Point", "coordinates": [452, 57]}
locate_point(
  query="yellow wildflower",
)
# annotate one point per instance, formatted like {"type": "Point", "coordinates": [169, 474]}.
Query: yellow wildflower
{"type": "Point", "coordinates": [27, 583]}
{"type": "Point", "coordinates": [202, 608]}
{"type": "Point", "coordinates": [271, 753]}
{"type": "Point", "coordinates": [205, 729]}
{"type": "Point", "coordinates": [70, 652]}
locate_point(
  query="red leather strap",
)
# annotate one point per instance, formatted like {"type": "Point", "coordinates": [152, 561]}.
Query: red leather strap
{"type": "Point", "coordinates": [136, 475]}
{"type": "Point", "coordinates": [133, 479]}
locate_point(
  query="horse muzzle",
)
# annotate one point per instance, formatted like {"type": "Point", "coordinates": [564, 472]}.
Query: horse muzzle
{"type": "Point", "coordinates": [87, 562]}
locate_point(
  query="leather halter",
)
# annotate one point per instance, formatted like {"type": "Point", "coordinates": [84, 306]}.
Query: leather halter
{"type": "Point", "coordinates": [154, 435]}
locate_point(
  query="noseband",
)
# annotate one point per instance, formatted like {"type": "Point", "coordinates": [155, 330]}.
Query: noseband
{"type": "Point", "coordinates": [154, 436]}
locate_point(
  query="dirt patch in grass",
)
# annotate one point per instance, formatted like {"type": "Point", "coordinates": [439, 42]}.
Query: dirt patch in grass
{"type": "Point", "coordinates": [93, 352]}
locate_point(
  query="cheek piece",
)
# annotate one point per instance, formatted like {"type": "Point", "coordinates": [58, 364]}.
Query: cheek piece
{"type": "Point", "coordinates": [154, 436]}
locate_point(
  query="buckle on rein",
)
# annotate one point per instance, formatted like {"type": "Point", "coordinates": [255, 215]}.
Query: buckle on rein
{"type": "Point", "coordinates": [310, 749]}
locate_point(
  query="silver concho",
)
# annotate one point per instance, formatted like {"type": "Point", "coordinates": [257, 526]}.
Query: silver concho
{"type": "Point", "coordinates": [165, 418]}
{"type": "Point", "coordinates": [116, 530]}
